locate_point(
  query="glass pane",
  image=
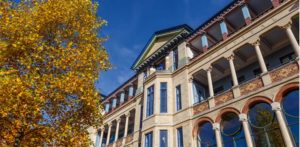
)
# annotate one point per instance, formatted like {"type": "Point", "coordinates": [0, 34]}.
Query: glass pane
{"type": "Point", "coordinates": [290, 105]}
{"type": "Point", "coordinates": [163, 138]}
{"type": "Point", "coordinates": [206, 135]}
{"type": "Point", "coordinates": [264, 126]}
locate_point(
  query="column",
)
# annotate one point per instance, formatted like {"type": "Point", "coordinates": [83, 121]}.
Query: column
{"type": "Point", "coordinates": [108, 134]}
{"type": "Point", "coordinates": [216, 127]}
{"type": "Point", "coordinates": [283, 128]}
{"type": "Point", "coordinates": [117, 129]}
{"type": "Point", "coordinates": [126, 127]}
{"type": "Point", "coordinates": [122, 97]}
{"type": "Point", "coordinates": [246, 14]}
{"type": "Point", "coordinates": [204, 42]}
{"type": "Point", "coordinates": [224, 29]}
{"type": "Point", "coordinates": [210, 84]}
{"type": "Point", "coordinates": [244, 120]}
{"type": "Point", "coordinates": [130, 92]}
{"type": "Point", "coordinates": [260, 57]}
{"type": "Point", "coordinates": [292, 38]}
{"type": "Point", "coordinates": [101, 137]}
{"type": "Point", "coordinates": [232, 69]}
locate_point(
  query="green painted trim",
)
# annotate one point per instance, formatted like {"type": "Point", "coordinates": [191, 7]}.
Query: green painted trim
{"type": "Point", "coordinates": [176, 32]}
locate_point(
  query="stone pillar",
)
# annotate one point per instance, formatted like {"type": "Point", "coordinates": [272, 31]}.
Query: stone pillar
{"type": "Point", "coordinates": [122, 97]}
{"type": "Point", "coordinates": [216, 127]}
{"type": "Point", "coordinates": [292, 38]}
{"type": "Point", "coordinates": [108, 134]}
{"type": "Point", "coordinates": [244, 120]}
{"type": "Point", "coordinates": [283, 128]}
{"type": "Point", "coordinates": [210, 83]}
{"type": "Point", "coordinates": [130, 92]}
{"type": "Point", "coordinates": [260, 57]}
{"type": "Point", "coordinates": [152, 70]}
{"type": "Point", "coordinates": [101, 136]}
{"type": "Point", "coordinates": [126, 128]}
{"type": "Point", "coordinates": [232, 69]}
{"type": "Point", "coordinates": [167, 63]}
{"type": "Point", "coordinates": [117, 129]}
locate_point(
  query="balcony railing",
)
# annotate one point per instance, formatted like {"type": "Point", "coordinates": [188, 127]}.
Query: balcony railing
{"type": "Point", "coordinates": [278, 74]}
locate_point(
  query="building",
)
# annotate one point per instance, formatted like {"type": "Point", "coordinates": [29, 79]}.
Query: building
{"type": "Point", "coordinates": [233, 81]}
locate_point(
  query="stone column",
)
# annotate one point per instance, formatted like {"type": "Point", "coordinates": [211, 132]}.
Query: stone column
{"type": "Point", "coordinates": [260, 57]}
{"type": "Point", "coordinates": [244, 120]}
{"type": "Point", "coordinates": [117, 129]}
{"type": "Point", "coordinates": [130, 92]}
{"type": "Point", "coordinates": [283, 128]}
{"type": "Point", "coordinates": [108, 134]}
{"type": "Point", "coordinates": [210, 83]}
{"type": "Point", "coordinates": [126, 128]}
{"type": "Point", "coordinates": [216, 127]}
{"type": "Point", "coordinates": [292, 38]}
{"type": "Point", "coordinates": [232, 69]}
{"type": "Point", "coordinates": [101, 137]}
{"type": "Point", "coordinates": [167, 62]}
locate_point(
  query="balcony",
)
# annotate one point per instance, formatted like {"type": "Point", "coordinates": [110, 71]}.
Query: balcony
{"type": "Point", "coordinates": [277, 74]}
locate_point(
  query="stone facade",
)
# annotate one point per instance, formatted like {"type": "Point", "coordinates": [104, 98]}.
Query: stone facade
{"type": "Point", "coordinates": [252, 45]}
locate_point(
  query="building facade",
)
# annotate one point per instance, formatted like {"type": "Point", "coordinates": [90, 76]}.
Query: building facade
{"type": "Point", "coordinates": [233, 81]}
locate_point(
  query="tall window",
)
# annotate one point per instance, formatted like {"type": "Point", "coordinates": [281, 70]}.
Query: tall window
{"type": "Point", "coordinates": [98, 139]}
{"type": "Point", "coordinates": [175, 59]}
{"type": "Point", "coordinates": [198, 93]}
{"type": "Point", "coordinates": [163, 138]}
{"type": "Point", "coordinates": [232, 131]}
{"type": "Point", "coordinates": [150, 100]}
{"type": "Point", "coordinates": [179, 137]}
{"type": "Point", "coordinates": [178, 97]}
{"type": "Point", "coordinates": [163, 98]}
{"type": "Point", "coordinates": [264, 125]}
{"type": "Point", "coordinates": [148, 140]}
{"type": "Point", "coordinates": [290, 106]}
{"type": "Point", "coordinates": [206, 135]}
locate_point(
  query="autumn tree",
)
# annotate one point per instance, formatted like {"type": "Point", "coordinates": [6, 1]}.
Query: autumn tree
{"type": "Point", "coordinates": [50, 57]}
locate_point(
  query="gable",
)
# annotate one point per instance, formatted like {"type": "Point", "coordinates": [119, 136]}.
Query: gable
{"type": "Point", "coordinates": [160, 41]}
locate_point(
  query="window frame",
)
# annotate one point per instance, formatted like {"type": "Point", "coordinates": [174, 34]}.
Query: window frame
{"type": "Point", "coordinates": [150, 101]}
{"type": "Point", "coordinates": [178, 97]}
{"type": "Point", "coordinates": [163, 97]}
{"type": "Point", "coordinates": [179, 136]}
{"type": "Point", "coordinates": [161, 137]}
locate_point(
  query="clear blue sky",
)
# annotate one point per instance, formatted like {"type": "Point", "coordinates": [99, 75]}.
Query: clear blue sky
{"type": "Point", "coordinates": [132, 22]}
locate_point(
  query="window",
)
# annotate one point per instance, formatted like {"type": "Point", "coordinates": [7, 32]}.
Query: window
{"type": "Point", "coordinates": [257, 72]}
{"type": "Point", "coordinates": [161, 65]}
{"type": "Point", "coordinates": [163, 98]}
{"type": "Point", "coordinates": [204, 41]}
{"type": "Point", "coordinates": [218, 89]}
{"type": "Point", "coordinates": [206, 135]}
{"type": "Point", "coordinates": [148, 140]}
{"type": "Point", "coordinates": [198, 93]}
{"type": "Point", "coordinates": [98, 138]}
{"type": "Point", "coordinates": [175, 59]}
{"type": "Point", "coordinates": [145, 74]}
{"type": "Point", "coordinates": [264, 125]}
{"type": "Point", "coordinates": [163, 138]}
{"type": "Point", "coordinates": [241, 79]}
{"type": "Point", "coordinates": [287, 58]}
{"type": "Point", "coordinates": [232, 131]}
{"type": "Point", "coordinates": [150, 100]}
{"type": "Point", "coordinates": [179, 137]}
{"type": "Point", "coordinates": [290, 106]}
{"type": "Point", "coordinates": [178, 98]}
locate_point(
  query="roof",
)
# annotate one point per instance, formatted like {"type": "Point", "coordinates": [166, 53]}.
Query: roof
{"type": "Point", "coordinates": [154, 36]}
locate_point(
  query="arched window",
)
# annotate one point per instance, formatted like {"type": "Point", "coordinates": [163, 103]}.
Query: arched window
{"type": "Point", "coordinates": [232, 131]}
{"type": "Point", "coordinates": [206, 135]}
{"type": "Point", "coordinates": [290, 106]}
{"type": "Point", "coordinates": [264, 126]}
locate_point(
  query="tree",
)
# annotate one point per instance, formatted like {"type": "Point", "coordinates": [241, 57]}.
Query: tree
{"type": "Point", "coordinates": [50, 57]}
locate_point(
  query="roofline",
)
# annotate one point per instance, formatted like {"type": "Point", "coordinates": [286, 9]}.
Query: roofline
{"type": "Point", "coordinates": [183, 26]}
{"type": "Point", "coordinates": [119, 87]}
{"type": "Point", "coordinates": [212, 18]}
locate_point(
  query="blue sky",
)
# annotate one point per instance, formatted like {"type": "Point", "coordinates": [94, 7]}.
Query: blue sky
{"type": "Point", "coordinates": [131, 24]}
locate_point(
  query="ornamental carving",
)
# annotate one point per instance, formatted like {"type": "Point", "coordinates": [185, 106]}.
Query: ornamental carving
{"type": "Point", "coordinates": [200, 107]}
{"type": "Point", "coordinates": [251, 86]}
{"type": "Point", "coordinates": [119, 142]}
{"type": "Point", "coordinates": [224, 97]}
{"type": "Point", "coordinates": [129, 138]}
{"type": "Point", "coordinates": [284, 72]}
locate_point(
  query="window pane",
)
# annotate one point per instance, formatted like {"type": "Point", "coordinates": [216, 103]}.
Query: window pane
{"type": "Point", "coordinates": [148, 140]}
{"type": "Point", "coordinates": [175, 59]}
{"type": "Point", "coordinates": [178, 98]}
{"type": "Point", "coordinates": [290, 105]}
{"type": "Point", "coordinates": [179, 137]}
{"type": "Point", "coordinates": [163, 97]}
{"type": "Point", "coordinates": [206, 135]}
{"type": "Point", "coordinates": [150, 100]}
{"type": "Point", "coordinates": [163, 138]}
{"type": "Point", "coordinates": [264, 126]}
{"type": "Point", "coordinates": [232, 132]}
